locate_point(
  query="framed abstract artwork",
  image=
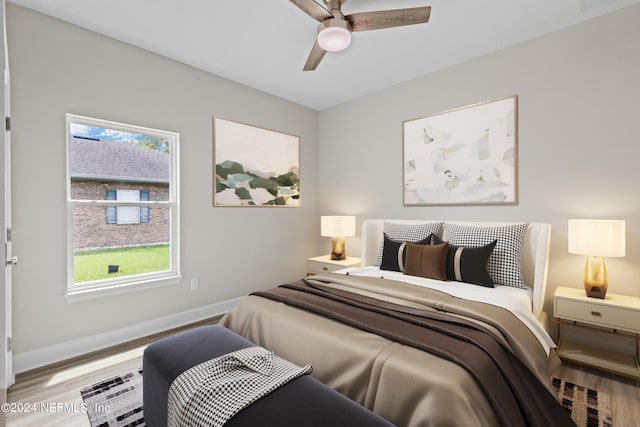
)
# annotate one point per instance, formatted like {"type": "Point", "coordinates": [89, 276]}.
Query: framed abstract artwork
{"type": "Point", "coordinates": [254, 166]}
{"type": "Point", "coordinates": [466, 156]}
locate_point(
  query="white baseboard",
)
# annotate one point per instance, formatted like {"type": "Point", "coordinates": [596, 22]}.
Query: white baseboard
{"type": "Point", "coordinates": [26, 361]}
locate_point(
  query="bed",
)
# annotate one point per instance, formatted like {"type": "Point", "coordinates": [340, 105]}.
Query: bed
{"type": "Point", "coordinates": [378, 335]}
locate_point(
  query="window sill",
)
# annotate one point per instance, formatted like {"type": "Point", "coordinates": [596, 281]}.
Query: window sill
{"type": "Point", "coordinates": [83, 294]}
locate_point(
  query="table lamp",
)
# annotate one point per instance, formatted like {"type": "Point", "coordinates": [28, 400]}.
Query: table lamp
{"type": "Point", "coordinates": [596, 238]}
{"type": "Point", "coordinates": [338, 227]}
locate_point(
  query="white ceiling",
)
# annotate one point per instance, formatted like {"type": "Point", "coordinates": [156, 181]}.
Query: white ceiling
{"type": "Point", "coordinates": [264, 44]}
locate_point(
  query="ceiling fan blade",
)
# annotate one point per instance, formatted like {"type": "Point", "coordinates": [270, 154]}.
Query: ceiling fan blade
{"type": "Point", "coordinates": [313, 9]}
{"type": "Point", "coordinates": [315, 56]}
{"type": "Point", "coordinates": [366, 21]}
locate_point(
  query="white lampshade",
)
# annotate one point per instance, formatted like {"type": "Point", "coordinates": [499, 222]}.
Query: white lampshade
{"type": "Point", "coordinates": [597, 237]}
{"type": "Point", "coordinates": [338, 226]}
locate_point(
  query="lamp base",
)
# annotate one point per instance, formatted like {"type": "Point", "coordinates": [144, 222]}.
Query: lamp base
{"type": "Point", "coordinates": [595, 291]}
{"type": "Point", "coordinates": [338, 251]}
{"type": "Point", "coordinates": [596, 279]}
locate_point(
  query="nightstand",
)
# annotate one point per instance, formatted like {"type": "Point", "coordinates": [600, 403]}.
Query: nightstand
{"type": "Point", "coordinates": [616, 315]}
{"type": "Point", "coordinates": [322, 264]}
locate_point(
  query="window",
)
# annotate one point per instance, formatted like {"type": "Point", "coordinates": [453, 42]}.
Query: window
{"type": "Point", "coordinates": [127, 214]}
{"type": "Point", "coordinates": [122, 193]}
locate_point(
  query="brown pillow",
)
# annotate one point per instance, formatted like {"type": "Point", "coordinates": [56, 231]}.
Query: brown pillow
{"type": "Point", "coordinates": [428, 261]}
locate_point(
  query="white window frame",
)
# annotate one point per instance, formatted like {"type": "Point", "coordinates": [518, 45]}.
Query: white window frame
{"type": "Point", "coordinates": [123, 284]}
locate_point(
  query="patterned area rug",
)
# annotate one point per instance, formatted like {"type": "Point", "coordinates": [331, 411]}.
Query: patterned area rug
{"type": "Point", "coordinates": [587, 407]}
{"type": "Point", "coordinates": [115, 402]}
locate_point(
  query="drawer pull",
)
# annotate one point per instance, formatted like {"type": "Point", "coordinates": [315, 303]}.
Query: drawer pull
{"type": "Point", "coordinates": [325, 268]}
{"type": "Point", "coordinates": [596, 313]}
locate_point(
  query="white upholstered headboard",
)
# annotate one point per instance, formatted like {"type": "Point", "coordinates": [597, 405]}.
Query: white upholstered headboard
{"type": "Point", "coordinates": [535, 254]}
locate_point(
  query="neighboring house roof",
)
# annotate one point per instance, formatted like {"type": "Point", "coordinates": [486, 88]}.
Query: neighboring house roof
{"type": "Point", "coordinates": [117, 161]}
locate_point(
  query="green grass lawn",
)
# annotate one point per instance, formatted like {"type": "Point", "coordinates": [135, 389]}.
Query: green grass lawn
{"type": "Point", "coordinates": [94, 265]}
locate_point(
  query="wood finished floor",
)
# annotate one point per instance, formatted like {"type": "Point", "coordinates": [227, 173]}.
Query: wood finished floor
{"type": "Point", "coordinates": [624, 392]}
{"type": "Point", "coordinates": [60, 383]}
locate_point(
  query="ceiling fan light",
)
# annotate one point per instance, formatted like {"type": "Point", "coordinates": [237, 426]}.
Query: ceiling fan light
{"type": "Point", "coordinates": [334, 38]}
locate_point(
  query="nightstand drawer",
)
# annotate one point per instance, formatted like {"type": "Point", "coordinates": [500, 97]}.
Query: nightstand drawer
{"type": "Point", "coordinates": [323, 264]}
{"type": "Point", "coordinates": [322, 267]}
{"type": "Point", "coordinates": [607, 316]}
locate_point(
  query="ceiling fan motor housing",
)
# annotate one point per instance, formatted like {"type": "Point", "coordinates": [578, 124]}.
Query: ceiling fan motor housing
{"type": "Point", "coordinates": [334, 4]}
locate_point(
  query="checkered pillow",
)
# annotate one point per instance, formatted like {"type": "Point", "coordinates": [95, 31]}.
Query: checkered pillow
{"type": "Point", "coordinates": [407, 233]}
{"type": "Point", "coordinates": [505, 263]}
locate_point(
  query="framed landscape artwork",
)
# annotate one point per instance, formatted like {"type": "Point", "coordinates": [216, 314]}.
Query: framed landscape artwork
{"type": "Point", "coordinates": [254, 166]}
{"type": "Point", "coordinates": [463, 156]}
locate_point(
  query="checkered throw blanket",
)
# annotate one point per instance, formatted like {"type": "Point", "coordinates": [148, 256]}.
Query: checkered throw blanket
{"type": "Point", "coordinates": [210, 393]}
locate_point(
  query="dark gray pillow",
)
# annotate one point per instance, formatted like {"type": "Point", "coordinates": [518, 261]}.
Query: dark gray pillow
{"type": "Point", "coordinates": [394, 253]}
{"type": "Point", "coordinates": [468, 264]}
{"type": "Point", "coordinates": [505, 263]}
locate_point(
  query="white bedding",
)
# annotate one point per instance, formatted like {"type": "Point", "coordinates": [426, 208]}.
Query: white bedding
{"type": "Point", "coordinates": [518, 301]}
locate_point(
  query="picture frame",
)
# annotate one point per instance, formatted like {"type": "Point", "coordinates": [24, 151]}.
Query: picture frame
{"type": "Point", "coordinates": [464, 156]}
{"type": "Point", "coordinates": [254, 166]}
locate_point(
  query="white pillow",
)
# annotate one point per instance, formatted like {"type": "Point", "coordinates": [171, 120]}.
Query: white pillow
{"type": "Point", "coordinates": [505, 263]}
{"type": "Point", "coordinates": [407, 233]}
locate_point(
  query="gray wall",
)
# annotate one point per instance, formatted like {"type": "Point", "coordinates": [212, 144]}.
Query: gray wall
{"type": "Point", "coordinates": [579, 142]}
{"type": "Point", "coordinates": [58, 68]}
{"type": "Point", "coordinates": [579, 134]}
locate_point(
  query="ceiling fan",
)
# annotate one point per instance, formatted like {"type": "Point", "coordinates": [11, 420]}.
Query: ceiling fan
{"type": "Point", "coordinates": [334, 31]}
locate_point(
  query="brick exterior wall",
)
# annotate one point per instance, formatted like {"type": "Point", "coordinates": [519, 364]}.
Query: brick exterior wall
{"type": "Point", "coordinates": [90, 227]}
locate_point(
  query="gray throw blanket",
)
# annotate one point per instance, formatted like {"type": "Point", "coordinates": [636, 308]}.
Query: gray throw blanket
{"type": "Point", "coordinates": [210, 393]}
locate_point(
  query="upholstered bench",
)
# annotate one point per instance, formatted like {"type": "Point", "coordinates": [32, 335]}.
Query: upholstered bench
{"type": "Point", "coordinates": [303, 401]}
